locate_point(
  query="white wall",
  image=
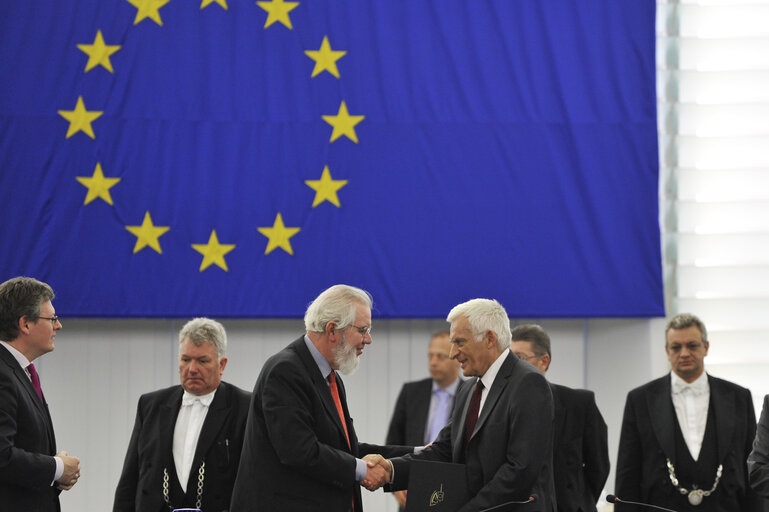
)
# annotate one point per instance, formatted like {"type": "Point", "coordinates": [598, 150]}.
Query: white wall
{"type": "Point", "coordinates": [100, 367]}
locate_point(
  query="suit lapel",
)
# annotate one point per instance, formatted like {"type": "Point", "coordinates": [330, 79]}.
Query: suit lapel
{"type": "Point", "coordinates": [420, 413]}
{"type": "Point", "coordinates": [724, 410]}
{"type": "Point", "coordinates": [560, 413]}
{"type": "Point", "coordinates": [497, 388]}
{"type": "Point", "coordinates": [463, 403]}
{"type": "Point", "coordinates": [215, 418]}
{"type": "Point", "coordinates": [661, 409]}
{"type": "Point", "coordinates": [170, 411]}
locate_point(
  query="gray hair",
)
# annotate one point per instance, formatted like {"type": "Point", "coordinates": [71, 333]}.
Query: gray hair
{"type": "Point", "coordinates": [484, 315]}
{"type": "Point", "coordinates": [684, 321]}
{"type": "Point", "coordinates": [335, 304]}
{"type": "Point", "coordinates": [536, 335]}
{"type": "Point", "coordinates": [21, 296]}
{"type": "Point", "coordinates": [205, 330]}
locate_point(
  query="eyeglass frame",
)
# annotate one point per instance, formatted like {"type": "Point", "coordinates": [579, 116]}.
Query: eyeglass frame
{"type": "Point", "coordinates": [363, 331]}
{"type": "Point", "coordinates": [53, 319]}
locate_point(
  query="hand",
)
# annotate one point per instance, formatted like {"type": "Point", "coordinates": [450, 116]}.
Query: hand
{"type": "Point", "coordinates": [400, 497]}
{"type": "Point", "coordinates": [379, 472]}
{"type": "Point", "coordinates": [71, 472]}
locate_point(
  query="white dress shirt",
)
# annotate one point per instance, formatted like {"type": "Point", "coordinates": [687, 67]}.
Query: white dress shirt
{"type": "Point", "coordinates": [190, 420]}
{"type": "Point", "coordinates": [691, 402]}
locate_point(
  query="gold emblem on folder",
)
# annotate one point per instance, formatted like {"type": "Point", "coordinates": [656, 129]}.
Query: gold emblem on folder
{"type": "Point", "coordinates": [436, 497]}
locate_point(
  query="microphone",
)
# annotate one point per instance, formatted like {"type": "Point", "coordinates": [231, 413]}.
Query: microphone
{"type": "Point", "coordinates": [615, 499]}
{"type": "Point", "coordinates": [530, 499]}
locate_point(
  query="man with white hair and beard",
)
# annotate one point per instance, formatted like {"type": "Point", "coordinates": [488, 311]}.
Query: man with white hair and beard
{"type": "Point", "coordinates": [300, 450]}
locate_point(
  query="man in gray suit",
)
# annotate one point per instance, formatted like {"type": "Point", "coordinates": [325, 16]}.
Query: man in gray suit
{"type": "Point", "coordinates": [502, 425]}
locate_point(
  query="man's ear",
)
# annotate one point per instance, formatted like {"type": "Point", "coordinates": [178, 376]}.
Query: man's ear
{"type": "Point", "coordinates": [490, 339]}
{"type": "Point", "coordinates": [24, 324]}
{"type": "Point", "coordinates": [330, 328]}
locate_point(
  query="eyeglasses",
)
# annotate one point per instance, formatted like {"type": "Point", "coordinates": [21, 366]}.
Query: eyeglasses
{"type": "Point", "coordinates": [362, 330]}
{"type": "Point", "coordinates": [53, 319]}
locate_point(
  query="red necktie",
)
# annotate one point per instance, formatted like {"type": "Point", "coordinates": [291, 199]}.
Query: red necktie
{"type": "Point", "coordinates": [472, 413]}
{"type": "Point", "coordinates": [35, 380]}
{"type": "Point", "coordinates": [338, 403]}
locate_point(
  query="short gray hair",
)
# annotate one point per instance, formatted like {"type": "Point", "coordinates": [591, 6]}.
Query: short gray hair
{"type": "Point", "coordinates": [205, 330]}
{"type": "Point", "coordinates": [335, 304]}
{"type": "Point", "coordinates": [684, 321]}
{"type": "Point", "coordinates": [485, 315]}
{"type": "Point", "coordinates": [534, 334]}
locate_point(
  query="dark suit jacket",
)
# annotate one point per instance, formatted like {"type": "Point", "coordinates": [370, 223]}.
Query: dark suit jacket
{"type": "Point", "coordinates": [295, 453]}
{"type": "Point", "coordinates": [409, 420]}
{"type": "Point", "coordinates": [647, 439]}
{"type": "Point", "coordinates": [580, 449]}
{"type": "Point", "coordinates": [27, 443]}
{"type": "Point", "coordinates": [140, 488]}
{"type": "Point", "coordinates": [510, 453]}
{"type": "Point", "coordinates": [758, 460]}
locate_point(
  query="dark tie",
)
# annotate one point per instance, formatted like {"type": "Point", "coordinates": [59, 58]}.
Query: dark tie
{"type": "Point", "coordinates": [35, 380]}
{"type": "Point", "coordinates": [338, 403]}
{"type": "Point", "coordinates": [472, 413]}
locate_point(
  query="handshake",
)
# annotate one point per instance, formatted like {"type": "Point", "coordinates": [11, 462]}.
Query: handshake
{"type": "Point", "coordinates": [379, 471]}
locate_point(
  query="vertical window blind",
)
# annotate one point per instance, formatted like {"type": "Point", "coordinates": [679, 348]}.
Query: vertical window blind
{"type": "Point", "coordinates": [713, 100]}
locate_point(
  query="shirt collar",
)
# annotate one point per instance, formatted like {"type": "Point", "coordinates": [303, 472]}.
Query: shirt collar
{"type": "Point", "coordinates": [189, 399]}
{"type": "Point", "coordinates": [321, 361]}
{"type": "Point", "coordinates": [20, 358]}
{"type": "Point", "coordinates": [698, 387]}
{"type": "Point", "coordinates": [491, 373]}
{"type": "Point", "coordinates": [451, 389]}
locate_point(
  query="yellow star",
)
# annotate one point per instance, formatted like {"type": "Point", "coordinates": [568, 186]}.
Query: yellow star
{"type": "Point", "coordinates": [98, 185]}
{"type": "Point", "coordinates": [80, 119]}
{"type": "Point", "coordinates": [344, 124]}
{"type": "Point", "coordinates": [213, 252]}
{"type": "Point", "coordinates": [278, 236]}
{"type": "Point", "coordinates": [98, 53]}
{"type": "Point", "coordinates": [206, 3]}
{"type": "Point", "coordinates": [325, 188]}
{"type": "Point", "coordinates": [148, 9]}
{"type": "Point", "coordinates": [277, 10]}
{"type": "Point", "coordinates": [147, 234]}
{"type": "Point", "coordinates": [325, 58]}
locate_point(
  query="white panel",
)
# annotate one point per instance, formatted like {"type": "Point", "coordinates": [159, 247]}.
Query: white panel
{"type": "Point", "coordinates": [723, 152]}
{"type": "Point", "coordinates": [723, 54]}
{"type": "Point", "coordinates": [723, 21]}
{"type": "Point", "coordinates": [723, 217]}
{"type": "Point", "coordinates": [719, 87]}
{"type": "Point", "coordinates": [722, 282]}
{"type": "Point", "coordinates": [723, 185]}
{"type": "Point", "coordinates": [723, 250]}
{"type": "Point", "coordinates": [728, 314]}
{"type": "Point", "coordinates": [730, 347]}
{"type": "Point", "coordinates": [722, 120]}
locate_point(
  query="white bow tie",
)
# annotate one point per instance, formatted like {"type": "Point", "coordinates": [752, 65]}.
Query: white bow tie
{"type": "Point", "coordinates": [190, 399]}
{"type": "Point", "coordinates": [697, 388]}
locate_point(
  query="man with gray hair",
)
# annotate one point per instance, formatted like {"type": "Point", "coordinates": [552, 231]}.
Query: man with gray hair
{"type": "Point", "coordinates": [502, 424]}
{"type": "Point", "coordinates": [686, 436]}
{"type": "Point", "coordinates": [300, 451]}
{"type": "Point", "coordinates": [580, 441]}
{"type": "Point", "coordinates": [185, 446]}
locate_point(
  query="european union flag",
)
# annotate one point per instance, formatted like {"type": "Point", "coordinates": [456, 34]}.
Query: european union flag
{"type": "Point", "coordinates": [234, 158]}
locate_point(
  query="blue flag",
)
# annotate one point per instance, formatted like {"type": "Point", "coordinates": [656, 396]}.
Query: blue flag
{"type": "Point", "coordinates": [233, 158]}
